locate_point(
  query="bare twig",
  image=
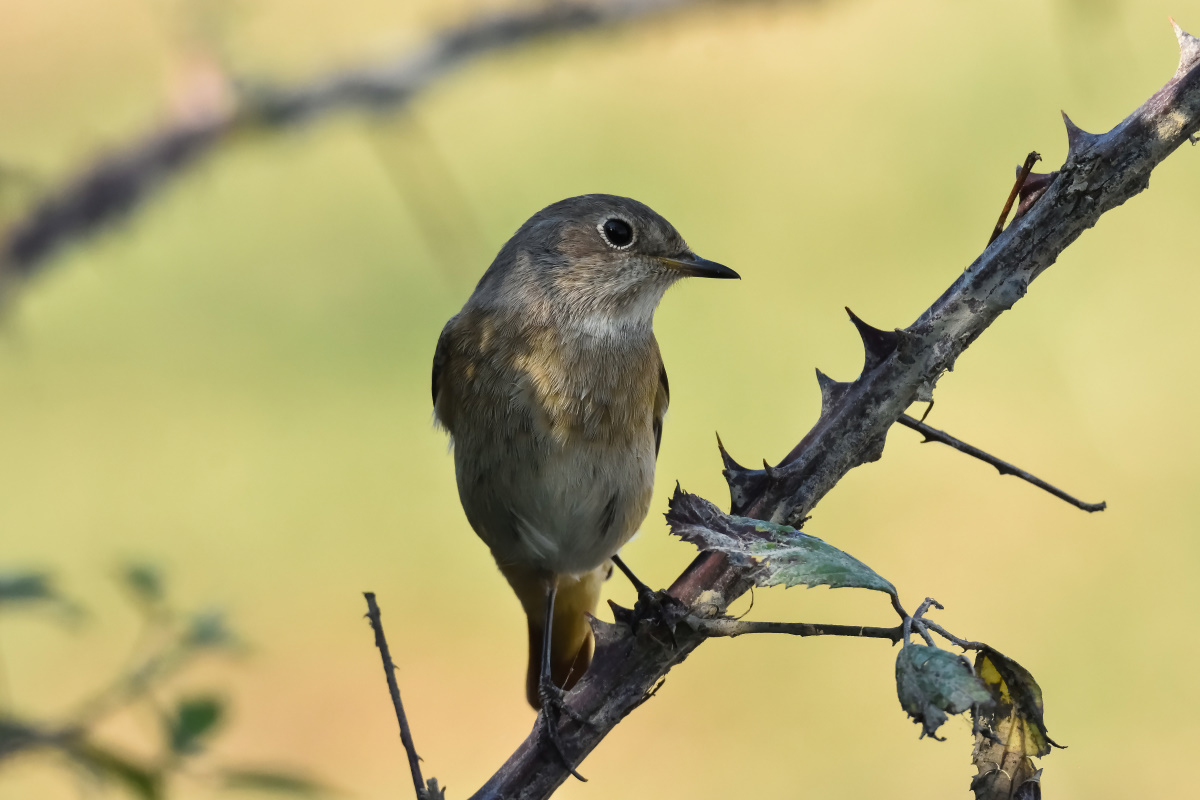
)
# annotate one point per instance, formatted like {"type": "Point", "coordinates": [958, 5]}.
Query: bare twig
{"type": "Point", "coordinates": [1005, 468]}
{"type": "Point", "coordinates": [1022, 175]}
{"type": "Point", "coordinates": [389, 669]}
{"type": "Point", "coordinates": [1100, 173]}
{"type": "Point", "coordinates": [736, 627]}
{"type": "Point", "coordinates": [119, 182]}
{"type": "Point", "coordinates": [963, 643]}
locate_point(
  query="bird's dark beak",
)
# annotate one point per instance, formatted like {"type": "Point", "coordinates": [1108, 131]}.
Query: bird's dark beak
{"type": "Point", "coordinates": [697, 267]}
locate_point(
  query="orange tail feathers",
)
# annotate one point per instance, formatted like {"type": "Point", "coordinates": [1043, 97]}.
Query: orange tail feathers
{"type": "Point", "coordinates": [571, 641]}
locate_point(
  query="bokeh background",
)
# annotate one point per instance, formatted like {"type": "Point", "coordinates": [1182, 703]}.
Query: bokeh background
{"type": "Point", "coordinates": [235, 384]}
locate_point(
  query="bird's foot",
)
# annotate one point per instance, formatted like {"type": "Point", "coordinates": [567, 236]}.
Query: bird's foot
{"type": "Point", "coordinates": [654, 610]}
{"type": "Point", "coordinates": [554, 708]}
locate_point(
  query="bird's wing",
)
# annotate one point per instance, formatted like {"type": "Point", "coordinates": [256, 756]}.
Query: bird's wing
{"type": "Point", "coordinates": [662, 398]}
{"type": "Point", "coordinates": [440, 355]}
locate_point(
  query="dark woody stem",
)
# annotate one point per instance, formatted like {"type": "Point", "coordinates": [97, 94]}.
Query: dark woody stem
{"type": "Point", "coordinates": [389, 669]}
{"type": "Point", "coordinates": [1005, 468]}
{"type": "Point", "coordinates": [738, 627]}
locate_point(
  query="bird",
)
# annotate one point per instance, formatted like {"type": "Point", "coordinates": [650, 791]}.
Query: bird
{"type": "Point", "coordinates": [552, 387]}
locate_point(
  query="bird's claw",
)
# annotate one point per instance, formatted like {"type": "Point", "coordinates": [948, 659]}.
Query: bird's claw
{"type": "Point", "coordinates": [655, 609]}
{"type": "Point", "coordinates": [554, 707]}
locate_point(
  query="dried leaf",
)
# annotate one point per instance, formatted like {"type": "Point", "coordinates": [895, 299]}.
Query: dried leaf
{"type": "Point", "coordinates": [1017, 732]}
{"type": "Point", "coordinates": [784, 555]}
{"type": "Point", "coordinates": [932, 683]}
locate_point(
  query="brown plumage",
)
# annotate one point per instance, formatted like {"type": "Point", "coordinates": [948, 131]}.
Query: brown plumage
{"type": "Point", "coordinates": [552, 387]}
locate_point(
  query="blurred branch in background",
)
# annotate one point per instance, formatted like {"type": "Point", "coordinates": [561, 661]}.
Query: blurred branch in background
{"type": "Point", "coordinates": [169, 643]}
{"type": "Point", "coordinates": [213, 108]}
{"type": "Point", "coordinates": [758, 543]}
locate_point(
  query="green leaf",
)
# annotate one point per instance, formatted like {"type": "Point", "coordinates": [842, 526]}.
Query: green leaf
{"type": "Point", "coordinates": [932, 682]}
{"type": "Point", "coordinates": [784, 555]}
{"type": "Point", "coordinates": [274, 782]}
{"type": "Point", "coordinates": [193, 719]}
{"type": "Point", "coordinates": [26, 587]}
{"type": "Point", "coordinates": [141, 781]}
{"type": "Point", "coordinates": [207, 629]}
{"type": "Point", "coordinates": [145, 582]}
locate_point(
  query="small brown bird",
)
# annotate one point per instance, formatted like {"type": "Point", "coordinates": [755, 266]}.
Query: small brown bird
{"type": "Point", "coordinates": [551, 385]}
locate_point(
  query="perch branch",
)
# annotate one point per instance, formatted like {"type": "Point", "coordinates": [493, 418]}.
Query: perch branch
{"type": "Point", "coordinates": [389, 669]}
{"type": "Point", "coordinates": [1005, 468]}
{"type": "Point", "coordinates": [1100, 173]}
{"type": "Point", "coordinates": [739, 627]}
{"type": "Point", "coordinates": [120, 182]}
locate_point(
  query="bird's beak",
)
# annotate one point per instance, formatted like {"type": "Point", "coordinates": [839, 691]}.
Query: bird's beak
{"type": "Point", "coordinates": [697, 267]}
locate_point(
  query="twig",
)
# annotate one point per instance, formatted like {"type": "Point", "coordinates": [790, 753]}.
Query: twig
{"type": "Point", "coordinates": [1026, 168]}
{"type": "Point", "coordinates": [919, 622]}
{"type": "Point", "coordinates": [389, 669]}
{"type": "Point", "coordinates": [1005, 468]}
{"type": "Point", "coordinates": [735, 627]}
{"type": "Point", "coordinates": [965, 644]}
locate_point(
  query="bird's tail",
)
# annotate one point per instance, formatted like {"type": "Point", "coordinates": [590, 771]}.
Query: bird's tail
{"type": "Point", "coordinates": [571, 641]}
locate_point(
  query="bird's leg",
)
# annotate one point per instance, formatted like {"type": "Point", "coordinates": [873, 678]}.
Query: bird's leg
{"type": "Point", "coordinates": [553, 698]}
{"type": "Point", "coordinates": [651, 605]}
{"type": "Point", "coordinates": [643, 591]}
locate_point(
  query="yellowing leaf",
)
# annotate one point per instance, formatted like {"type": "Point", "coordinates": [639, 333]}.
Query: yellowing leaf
{"type": "Point", "coordinates": [1017, 732]}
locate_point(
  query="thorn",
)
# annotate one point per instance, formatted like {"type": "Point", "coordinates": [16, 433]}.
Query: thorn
{"type": "Point", "coordinates": [1035, 186]}
{"type": "Point", "coordinates": [772, 473]}
{"type": "Point", "coordinates": [1037, 182]}
{"type": "Point", "coordinates": [1189, 49]}
{"type": "Point", "coordinates": [726, 459]}
{"type": "Point", "coordinates": [878, 344]}
{"type": "Point", "coordinates": [1077, 138]}
{"type": "Point", "coordinates": [831, 391]}
{"type": "Point", "coordinates": [744, 484]}
{"type": "Point", "coordinates": [621, 615]}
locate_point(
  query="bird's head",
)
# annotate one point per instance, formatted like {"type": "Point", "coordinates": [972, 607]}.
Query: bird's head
{"type": "Point", "coordinates": [595, 260]}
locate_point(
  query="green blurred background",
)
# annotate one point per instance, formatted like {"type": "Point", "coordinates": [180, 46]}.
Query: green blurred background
{"type": "Point", "coordinates": [236, 383]}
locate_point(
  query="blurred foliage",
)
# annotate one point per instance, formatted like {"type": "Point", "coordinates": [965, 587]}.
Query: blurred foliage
{"type": "Point", "coordinates": [170, 643]}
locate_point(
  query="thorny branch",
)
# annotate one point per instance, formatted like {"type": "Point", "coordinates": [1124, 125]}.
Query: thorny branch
{"type": "Point", "coordinates": [1101, 172]}
{"type": "Point", "coordinates": [119, 182]}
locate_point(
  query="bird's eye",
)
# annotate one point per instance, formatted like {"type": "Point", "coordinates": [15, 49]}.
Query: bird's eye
{"type": "Point", "coordinates": [617, 232]}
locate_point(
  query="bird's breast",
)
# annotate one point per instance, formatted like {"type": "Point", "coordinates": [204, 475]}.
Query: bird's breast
{"type": "Point", "coordinates": [554, 441]}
